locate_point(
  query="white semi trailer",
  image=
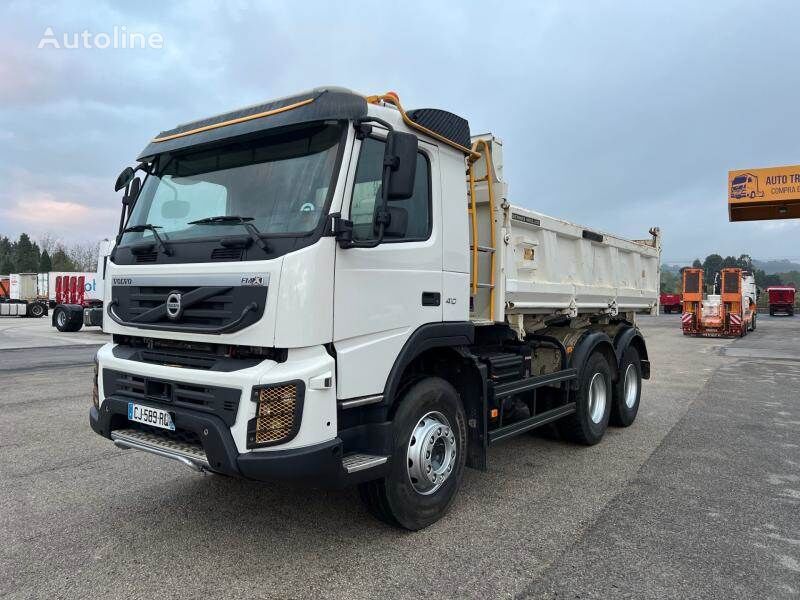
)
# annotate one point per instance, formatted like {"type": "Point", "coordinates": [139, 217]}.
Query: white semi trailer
{"type": "Point", "coordinates": [331, 289]}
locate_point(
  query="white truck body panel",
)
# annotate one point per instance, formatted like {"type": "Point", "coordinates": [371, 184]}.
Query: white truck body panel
{"type": "Point", "coordinates": [22, 286]}
{"type": "Point", "coordinates": [546, 265]}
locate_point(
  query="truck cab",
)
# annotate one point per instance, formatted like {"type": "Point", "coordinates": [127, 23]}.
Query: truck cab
{"type": "Point", "coordinates": [294, 294]}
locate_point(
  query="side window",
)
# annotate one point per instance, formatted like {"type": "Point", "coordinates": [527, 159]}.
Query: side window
{"type": "Point", "coordinates": [367, 192]}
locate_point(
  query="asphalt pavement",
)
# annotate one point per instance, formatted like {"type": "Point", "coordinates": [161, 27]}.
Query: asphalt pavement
{"type": "Point", "coordinates": [700, 498]}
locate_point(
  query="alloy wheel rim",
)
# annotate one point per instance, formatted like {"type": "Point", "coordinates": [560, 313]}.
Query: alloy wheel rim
{"type": "Point", "coordinates": [631, 386]}
{"type": "Point", "coordinates": [431, 455]}
{"type": "Point", "coordinates": [598, 397]}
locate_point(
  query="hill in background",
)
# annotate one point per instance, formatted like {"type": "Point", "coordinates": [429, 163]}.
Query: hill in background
{"type": "Point", "coordinates": [770, 267]}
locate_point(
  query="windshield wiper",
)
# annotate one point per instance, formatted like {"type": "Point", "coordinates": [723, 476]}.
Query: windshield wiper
{"type": "Point", "coordinates": [154, 228]}
{"type": "Point", "coordinates": [255, 234]}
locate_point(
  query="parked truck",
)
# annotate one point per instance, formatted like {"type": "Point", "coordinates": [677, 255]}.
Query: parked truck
{"type": "Point", "coordinates": [670, 303]}
{"type": "Point", "coordinates": [729, 312]}
{"type": "Point", "coordinates": [77, 298]}
{"type": "Point", "coordinates": [781, 299]}
{"type": "Point", "coordinates": [311, 289]}
{"type": "Point", "coordinates": [20, 297]}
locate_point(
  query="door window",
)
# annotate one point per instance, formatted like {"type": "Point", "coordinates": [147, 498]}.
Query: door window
{"type": "Point", "coordinates": [367, 193]}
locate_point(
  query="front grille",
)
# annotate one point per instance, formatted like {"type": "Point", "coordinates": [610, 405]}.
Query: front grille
{"type": "Point", "coordinates": [278, 414]}
{"type": "Point", "coordinates": [221, 401]}
{"type": "Point", "coordinates": [212, 311]}
{"type": "Point", "coordinates": [204, 307]}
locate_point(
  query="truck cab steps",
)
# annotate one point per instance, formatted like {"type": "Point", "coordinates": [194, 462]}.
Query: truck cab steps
{"type": "Point", "coordinates": [524, 425]}
{"type": "Point", "coordinates": [353, 463]}
{"type": "Point", "coordinates": [171, 446]}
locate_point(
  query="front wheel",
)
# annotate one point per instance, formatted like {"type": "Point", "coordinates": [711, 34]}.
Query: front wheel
{"type": "Point", "coordinates": [589, 422]}
{"type": "Point", "coordinates": [38, 310]}
{"type": "Point", "coordinates": [430, 442]}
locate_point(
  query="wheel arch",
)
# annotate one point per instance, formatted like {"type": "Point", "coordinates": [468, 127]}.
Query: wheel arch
{"type": "Point", "coordinates": [442, 350]}
{"type": "Point", "coordinates": [590, 342]}
{"type": "Point", "coordinates": [631, 336]}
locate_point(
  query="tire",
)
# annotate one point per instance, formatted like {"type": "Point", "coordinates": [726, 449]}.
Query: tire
{"type": "Point", "coordinates": [771, 312]}
{"type": "Point", "coordinates": [753, 324]}
{"type": "Point", "coordinates": [65, 321]}
{"type": "Point", "coordinates": [433, 408]}
{"type": "Point", "coordinates": [37, 310]}
{"type": "Point", "coordinates": [588, 423]}
{"type": "Point", "coordinates": [627, 390]}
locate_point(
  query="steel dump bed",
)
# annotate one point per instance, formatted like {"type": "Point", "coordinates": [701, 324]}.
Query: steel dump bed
{"type": "Point", "coordinates": [545, 265]}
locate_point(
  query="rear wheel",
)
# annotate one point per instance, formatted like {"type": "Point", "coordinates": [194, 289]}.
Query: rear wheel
{"type": "Point", "coordinates": [753, 323]}
{"type": "Point", "coordinates": [593, 404]}
{"type": "Point", "coordinates": [66, 321]}
{"type": "Point", "coordinates": [628, 389]}
{"type": "Point", "coordinates": [430, 438]}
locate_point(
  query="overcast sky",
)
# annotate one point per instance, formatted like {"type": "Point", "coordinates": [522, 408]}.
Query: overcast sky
{"type": "Point", "coordinates": [617, 115]}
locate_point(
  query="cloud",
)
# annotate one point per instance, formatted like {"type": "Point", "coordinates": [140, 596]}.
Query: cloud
{"type": "Point", "coordinates": [44, 211]}
{"type": "Point", "coordinates": [617, 115]}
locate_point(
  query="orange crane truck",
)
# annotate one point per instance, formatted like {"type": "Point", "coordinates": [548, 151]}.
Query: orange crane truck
{"type": "Point", "coordinates": [731, 313]}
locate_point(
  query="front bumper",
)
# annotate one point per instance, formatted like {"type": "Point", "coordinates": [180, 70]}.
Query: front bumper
{"type": "Point", "coordinates": [319, 465]}
{"type": "Point", "coordinates": [314, 456]}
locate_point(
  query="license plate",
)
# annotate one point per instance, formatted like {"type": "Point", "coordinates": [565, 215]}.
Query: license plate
{"type": "Point", "coordinates": [150, 416]}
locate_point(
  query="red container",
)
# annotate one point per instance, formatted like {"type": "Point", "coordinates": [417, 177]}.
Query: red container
{"type": "Point", "coordinates": [670, 302]}
{"type": "Point", "coordinates": [781, 299]}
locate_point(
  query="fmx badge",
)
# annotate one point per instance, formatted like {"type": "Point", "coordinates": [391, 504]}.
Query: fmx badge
{"type": "Point", "coordinates": [760, 194]}
{"type": "Point", "coordinates": [252, 280]}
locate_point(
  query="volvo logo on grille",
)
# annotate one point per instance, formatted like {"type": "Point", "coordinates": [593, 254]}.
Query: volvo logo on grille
{"type": "Point", "coordinates": [174, 305]}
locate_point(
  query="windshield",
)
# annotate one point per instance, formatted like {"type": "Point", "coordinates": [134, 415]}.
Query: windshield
{"type": "Point", "coordinates": [739, 179]}
{"type": "Point", "coordinates": [280, 182]}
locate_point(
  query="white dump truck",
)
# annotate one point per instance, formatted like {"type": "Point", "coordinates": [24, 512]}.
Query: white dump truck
{"type": "Point", "coordinates": [330, 289]}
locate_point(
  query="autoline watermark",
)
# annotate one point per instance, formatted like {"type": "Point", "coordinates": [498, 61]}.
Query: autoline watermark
{"type": "Point", "coordinates": [117, 38]}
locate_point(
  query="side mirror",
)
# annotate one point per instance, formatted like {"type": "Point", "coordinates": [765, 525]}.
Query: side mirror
{"type": "Point", "coordinates": [124, 178]}
{"type": "Point", "coordinates": [401, 157]}
{"type": "Point", "coordinates": [133, 191]}
{"type": "Point", "coordinates": [398, 223]}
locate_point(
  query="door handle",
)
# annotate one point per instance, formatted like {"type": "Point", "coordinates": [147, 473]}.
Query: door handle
{"type": "Point", "coordinates": [431, 299]}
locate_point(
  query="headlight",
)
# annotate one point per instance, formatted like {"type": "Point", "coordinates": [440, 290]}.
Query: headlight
{"type": "Point", "coordinates": [279, 408]}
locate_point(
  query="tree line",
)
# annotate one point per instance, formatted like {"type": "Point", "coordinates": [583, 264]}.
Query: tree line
{"type": "Point", "coordinates": [48, 253]}
{"type": "Point", "coordinates": [671, 280]}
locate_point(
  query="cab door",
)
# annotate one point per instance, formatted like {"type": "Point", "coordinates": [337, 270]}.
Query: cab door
{"type": "Point", "coordinates": [383, 294]}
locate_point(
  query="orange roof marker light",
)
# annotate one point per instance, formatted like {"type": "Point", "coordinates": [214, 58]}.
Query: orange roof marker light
{"type": "Point", "coordinates": [761, 194]}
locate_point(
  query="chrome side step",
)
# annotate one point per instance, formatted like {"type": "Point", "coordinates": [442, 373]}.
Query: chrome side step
{"type": "Point", "coordinates": [353, 463]}
{"type": "Point", "coordinates": [191, 455]}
